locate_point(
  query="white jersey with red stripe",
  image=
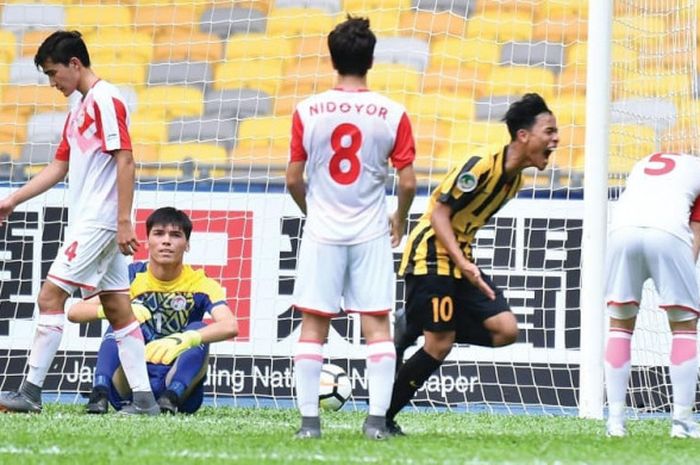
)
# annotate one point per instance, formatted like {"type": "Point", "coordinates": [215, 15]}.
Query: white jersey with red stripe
{"type": "Point", "coordinates": [347, 139]}
{"type": "Point", "coordinates": [662, 192]}
{"type": "Point", "coordinates": [96, 125]}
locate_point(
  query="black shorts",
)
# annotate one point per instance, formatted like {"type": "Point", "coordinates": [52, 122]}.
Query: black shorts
{"type": "Point", "coordinates": [443, 303]}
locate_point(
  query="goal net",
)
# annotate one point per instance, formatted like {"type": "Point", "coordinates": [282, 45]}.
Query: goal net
{"type": "Point", "coordinates": [211, 86]}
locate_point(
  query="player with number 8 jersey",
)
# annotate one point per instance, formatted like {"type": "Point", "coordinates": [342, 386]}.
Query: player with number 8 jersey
{"type": "Point", "coordinates": [655, 233]}
{"type": "Point", "coordinates": [344, 139]}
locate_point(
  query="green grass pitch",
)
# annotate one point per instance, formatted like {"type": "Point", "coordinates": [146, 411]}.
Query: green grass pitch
{"type": "Point", "coordinates": [62, 434]}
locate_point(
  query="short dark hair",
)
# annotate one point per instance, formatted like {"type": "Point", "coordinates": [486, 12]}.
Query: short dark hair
{"type": "Point", "coordinates": [169, 216]}
{"type": "Point", "coordinates": [60, 47]}
{"type": "Point", "coordinates": [523, 113]}
{"type": "Point", "coordinates": [351, 44]}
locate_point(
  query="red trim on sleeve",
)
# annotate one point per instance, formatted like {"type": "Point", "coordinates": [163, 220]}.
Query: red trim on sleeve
{"type": "Point", "coordinates": [124, 137]}
{"type": "Point", "coordinates": [695, 211]}
{"type": "Point", "coordinates": [63, 150]}
{"type": "Point", "coordinates": [297, 152]}
{"type": "Point", "coordinates": [404, 148]}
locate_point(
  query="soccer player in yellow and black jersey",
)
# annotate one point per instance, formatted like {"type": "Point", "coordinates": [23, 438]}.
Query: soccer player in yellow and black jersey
{"type": "Point", "coordinates": [170, 299]}
{"type": "Point", "coordinates": [447, 297]}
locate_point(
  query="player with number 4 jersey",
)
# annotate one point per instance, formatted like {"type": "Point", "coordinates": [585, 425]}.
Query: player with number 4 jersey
{"type": "Point", "coordinates": [345, 139]}
{"type": "Point", "coordinates": [655, 233]}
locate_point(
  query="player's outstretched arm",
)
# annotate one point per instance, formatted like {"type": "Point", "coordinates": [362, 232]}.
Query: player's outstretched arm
{"type": "Point", "coordinates": [406, 192]}
{"type": "Point", "coordinates": [46, 179]}
{"type": "Point", "coordinates": [85, 311]}
{"type": "Point", "coordinates": [126, 236]}
{"type": "Point", "coordinates": [440, 221]}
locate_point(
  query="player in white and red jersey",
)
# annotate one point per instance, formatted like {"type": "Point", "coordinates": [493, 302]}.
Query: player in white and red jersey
{"type": "Point", "coordinates": [655, 233]}
{"type": "Point", "coordinates": [95, 152]}
{"type": "Point", "coordinates": [345, 139]}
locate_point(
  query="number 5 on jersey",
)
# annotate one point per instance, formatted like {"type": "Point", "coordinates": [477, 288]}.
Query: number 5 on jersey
{"type": "Point", "coordinates": [345, 164]}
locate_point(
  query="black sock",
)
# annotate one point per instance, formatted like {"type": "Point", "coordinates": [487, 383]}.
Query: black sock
{"type": "Point", "coordinates": [411, 376]}
{"type": "Point", "coordinates": [31, 391]}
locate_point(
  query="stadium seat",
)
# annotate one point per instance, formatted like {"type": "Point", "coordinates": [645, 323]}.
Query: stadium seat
{"type": "Point", "coordinates": [30, 41]}
{"type": "Point", "coordinates": [634, 28]}
{"type": "Point", "coordinates": [90, 17]}
{"type": "Point", "coordinates": [13, 127]}
{"type": "Point", "coordinates": [459, 7]}
{"type": "Point", "coordinates": [237, 103]}
{"type": "Point", "coordinates": [307, 77]}
{"type": "Point", "coordinates": [493, 107]}
{"type": "Point", "coordinates": [46, 127]}
{"type": "Point", "coordinates": [329, 6]}
{"type": "Point", "coordinates": [655, 85]}
{"type": "Point", "coordinates": [311, 48]}
{"type": "Point", "coordinates": [148, 128]}
{"type": "Point", "coordinates": [21, 17]}
{"type": "Point", "coordinates": [170, 102]}
{"type": "Point", "coordinates": [572, 141]}
{"type": "Point", "coordinates": [269, 131]}
{"type": "Point", "coordinates": [151, 19]}
{"type": "Point", "coordinates": [227, 21]}
{"type": "Point", "coordinates": [13, 149]}
{"type": "Point", "coordinates": [359, 5]}
{"type": "Point", "coordinates": [8, 50]}
{"type": "Point", "coordinates": [426, 24]}
{"type": "Point", "coordinates": [456, 154]}
{"type": "Point", "coordinates": [203, 130]}
{"type": "Point", "coordinates": [245, 47]}
{"type": "Point", "coordinates": [122, 73]}
{"type": "Point", "coordinates": [565, 29]}
{"type": "Point", "coordinates": [119, 46]}
{"type": "Point", "coordinates": [563, 8]}
{"type": "Point", "coordinates": [461, 80]}
{"type": "Point", "coordinates": [387, 78]}
{"type": "Point", "coordinates": [285, 104]}
{"type": "Point", "coordinates": [269, 161]}
{"type": "Point", "coordinates": [24, 71]}
{"type": "Point", "coordinates": [569, 109]}
{"type": "Point", "coordinates": [188, 73]}
{"type": "Point", "coordinates": [506, 7]}
{"type": "Point", "coordinates": [146, 157]}
{"type": "Point", "coordinates": [299, 22]}
{"type": "Point", "coordinates": [180, 45]}
{"type": "Point", "coordinates": [444, 107]}
{"type": "Point", "coordinates": [479, 133]}
{"type": "Point", "coordinates": [26, 100]}
{"type": "Point", "coordinates": [501, 27]}
{"type": "Point", "coordinates": [453, 52]}
{"type": "Point", "coordinates": [542, 54]}
{"type": "Point", "coordinates": [406, 51]}
{"type": "Point", "coordinates": [384, 22]}
{"type": "Point", "coordinates": [629, 143]}
{"type": "Point", "coordinates": [431, 136]}
{"type": "Point", "coordinates": [263, 75]}
{"type": "Point", "coordinates": [200, 153]}
{"type": "Point", "coordinates": [572, 81]}
{"type": "Point", "coordinates": [514, 80]}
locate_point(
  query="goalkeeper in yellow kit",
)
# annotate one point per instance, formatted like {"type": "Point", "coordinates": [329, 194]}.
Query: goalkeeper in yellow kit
{"type": "Point", "coordinates": [170, 299]}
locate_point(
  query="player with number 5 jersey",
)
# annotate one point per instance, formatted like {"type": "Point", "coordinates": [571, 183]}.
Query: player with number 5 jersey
{"type": "Point", "coordinates": [655, 233]}
{"type": "Point", "coordinates": [345, 139]}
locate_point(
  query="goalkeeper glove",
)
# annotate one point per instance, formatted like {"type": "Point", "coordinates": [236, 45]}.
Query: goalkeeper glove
{"type": "Point", "coordinates": [141, 312]}
{"type": "Point", "coordinates": [167, 349]}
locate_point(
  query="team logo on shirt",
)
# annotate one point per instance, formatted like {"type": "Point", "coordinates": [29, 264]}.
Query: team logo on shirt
{"type": "Point", "coordinates": [178, 303]}
{"type": "Point", "coordinates": [466, 182]}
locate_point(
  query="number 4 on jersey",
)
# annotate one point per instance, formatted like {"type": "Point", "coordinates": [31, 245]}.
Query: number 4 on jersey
{"type": "Point", "coordinates": [71, 251]}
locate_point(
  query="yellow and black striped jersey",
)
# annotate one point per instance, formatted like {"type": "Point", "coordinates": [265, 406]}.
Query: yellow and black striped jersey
{"type": "Point", "coordinates": [474, 191]}
{"type": "Point", "coordinates": [173, 304]}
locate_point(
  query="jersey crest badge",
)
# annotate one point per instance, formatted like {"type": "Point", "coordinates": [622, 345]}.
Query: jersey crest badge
{"type": "Point", "coordinates": [466, 182]}
{"type": "Point", "coordinates": [178, 303]}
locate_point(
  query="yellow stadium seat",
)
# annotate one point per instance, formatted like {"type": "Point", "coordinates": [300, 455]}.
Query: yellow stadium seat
{"type": "Point", "coordinates": [242, 48]}
{"type": "Point", "coordinates": [502, 27]}
{"type": "Point", "coordinates": [285, 104]}
{"type": "Point", "coordinates": [311, 48]}
{"type": "Point", "coordinates": [307, 77]}
{"type": "Point", "coordinates": [122, 73]}
{"type": "Point", "coordinates": [265, 75]}
{"type": "Point", "coordinates": [431, 137]}
{"type": "Point", "coordinates": [568, 109]}
{"type": "Point", "coordinates": [271, 160]}
{"type": "Point", "coordinates": [479, 133]}
{"type": "Point", "coordinates": [462, 80]}
{"type": "Point", "coordinates": [638, 27]}
{"type": "Point", "coordinates": [12, 149]}
{"type": "Point", "coordinates": [148, 128]}
{"type": "Point", "coordinates": [629, 143]}
{"type": "Point", "coordinates": [552, 8]}
{"type": "Point", "coordinates": [572, 81]}
{"type": "Point", "coordinates": [31, 39]}
{"type": "Point", "coordinates": [453, 52]}
{"type": "Point", "coordinates": [523, 7]}
{"type": "Point", "coordinates": [170, 102]}
{"type": "Point", "coordinates": [180, 45]}
{"type": "Point", "coordinates": [567, 29]}
{"type": "Point", "coordinates": [4, 74]}
{"type": "Point", "coordinates": [118, 46]}
{"type": "Point", "coordinates": [569, 154]}
{"type": "Point", "coordinates": [145, 152]}
{"type": "Point", "coordinates": [385, 77]}
{"type": "Point", "coordinates": [670, 86]}
{"type": "Point", "coordinates": [457, 154]}
{"type": "Point", "coordinates": [13, 126]}
{"type": "Point", "coordinates": [426, 23]}
{"type": "Point", "coordinates": [577, 54]}
{"type": "Point", "coordinates": [150, 18]}
{"type": "Point", "coordinates": [264, 132]}
{"type": "Point", "coordinates": [442, 106]}
{"type": "Point", "coordinates": [8, 46]}
{"type": "Point", "coordinates": [201, 153]}
{"type": "Point", "coordinates": [384, 22]}
{"type": "Point", "coordinates": [516, 80]}
{"type": "Point", "coordinates": [364, 5]}
{"type": "Point", "coordinates": [681, 139]}
{"type": "Point", "coordinates": [26, 100]}
{"type": "Point", "coordinates": [298, 22]}
{"type": "Point", "coordinates": [90, 17]}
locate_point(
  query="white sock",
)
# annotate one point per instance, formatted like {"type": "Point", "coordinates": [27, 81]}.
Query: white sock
{"type": "Point", "coordinates": [132, 355]}
{"type": "Point", "coordinates": [617, 370]}
{"type": "Point", "coordinates": [47, 338]}
{"type": "Point", "coordinates": [381, 367]}
{"type": "Point", "coordinates": [308, 360]}
{"type": "Point", "coordinates": [683, 372]}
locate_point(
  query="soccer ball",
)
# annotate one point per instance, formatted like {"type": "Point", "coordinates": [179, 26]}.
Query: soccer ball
{"type": "Point", "coordinates": [335, 388]}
